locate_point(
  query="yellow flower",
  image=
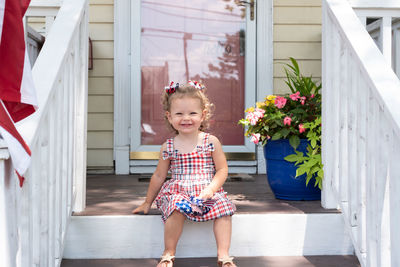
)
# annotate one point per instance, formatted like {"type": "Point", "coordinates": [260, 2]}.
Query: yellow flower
{"type": "Point", "coordinates": [270, 99]}
{"type": "Point", "coordinates": [250, 109]}
{"type": "Point", "coordinates": [260, 104]}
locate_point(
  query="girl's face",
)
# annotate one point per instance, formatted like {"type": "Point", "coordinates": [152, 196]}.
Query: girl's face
{"type": "Point", "coordinates": [186, 114]}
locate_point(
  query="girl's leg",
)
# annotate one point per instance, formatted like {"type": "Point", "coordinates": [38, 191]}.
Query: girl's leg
{"type": "Point", "coordinates": [222, 233]}
{"type": "Point", "coordinates": [172, 231]}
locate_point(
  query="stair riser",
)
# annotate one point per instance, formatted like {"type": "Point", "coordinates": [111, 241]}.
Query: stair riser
{"type": "Point", "coordinates": [95, 237]}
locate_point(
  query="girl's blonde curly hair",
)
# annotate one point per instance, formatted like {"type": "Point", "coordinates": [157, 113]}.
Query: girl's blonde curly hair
{"type": "Point", "coordinates": [188, 91]}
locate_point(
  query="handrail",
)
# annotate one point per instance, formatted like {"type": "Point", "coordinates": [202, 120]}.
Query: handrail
{"type": "Point", "coordinates": [39, 212]}
{"type": "Point", "coordinates": [34, 43]}
{"type": "Point", "coordinates": [360, 136]}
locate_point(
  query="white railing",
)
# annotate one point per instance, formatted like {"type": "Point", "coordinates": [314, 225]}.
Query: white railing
{"type": "Point", "coordinates": [46, 9]}
{"type": "Point", "coordinates": [34, 219]}
{"type": "Point", "coordinates": [361, 136]}
{"type": "Point", "coordinates": [34, 43]}
{"type": "Point", "coordinates": [385, 30]}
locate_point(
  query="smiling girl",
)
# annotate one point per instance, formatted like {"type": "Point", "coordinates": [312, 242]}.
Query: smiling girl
{"type": "Point", "coordinates": [199, 169]}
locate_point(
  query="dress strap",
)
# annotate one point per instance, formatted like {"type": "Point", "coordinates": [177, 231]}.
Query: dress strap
{"type": "Point", "coordinates": [206, 144]}
{"type": "Point", "coordinates": [206, 139]}
{"type": "Point", "coordinates": [169, 153]}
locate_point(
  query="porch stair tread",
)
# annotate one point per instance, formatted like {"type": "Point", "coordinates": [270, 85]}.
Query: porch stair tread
{"type": "Point", "coordinates": [272, 261]}
{"type": "Point", "coordinates": [262, 226]}
{"type": "Point", "coordinates": [119, 194]}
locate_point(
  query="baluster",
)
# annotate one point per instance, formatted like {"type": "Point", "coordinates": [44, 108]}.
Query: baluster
{"type": "Point", "coordinates": [74, 77]}
{"type": "Point", "coordinates": [362, 107]}
{"type": "Point", "coordinates": [363, 20]}
{"type": "Point", "coordinates": [58, 161]}
{"type": "Point", "coordinates": [335, 108]}
{"type": "Point", "coordinates": [35, 205]}
{"type": "Point", "coordinates": [69, 128]}
{"type": "Point", "coordinates": [343, 96]}
{"type": "Point", "coordinates": [43, 180]}
{"type": "Point", "coordinates": [64, 173]}
{"type": "Point", "coordinates": [386, 38]}
{"type": "Point", "coordinates": [382, 190]}
{"type": "Point", "coordinates": [394, 173]}
{"type": "Point", "coordinates": [373, 147]}
{"type": "Point", "coordinates": [353, 102]}
{"type": "Point", "coordinates": [396, 51]}
{"type": "Point", "coordinates": [23, 216]}
{"type": "Point", "coordinates": [52, 131]}
{"type": "Point", "coordinates": [80, 120]}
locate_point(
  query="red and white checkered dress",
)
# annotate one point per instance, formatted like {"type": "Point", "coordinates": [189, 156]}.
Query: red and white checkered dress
{"type": "Point", "coordinates": [191, 172]}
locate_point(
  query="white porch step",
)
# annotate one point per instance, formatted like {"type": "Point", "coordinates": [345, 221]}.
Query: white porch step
{"type": "Point", "coordinates": [269, 234]}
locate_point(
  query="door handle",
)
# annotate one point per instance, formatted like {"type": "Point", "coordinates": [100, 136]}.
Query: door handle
{"type": "Point", "coordinates": [251, 4]}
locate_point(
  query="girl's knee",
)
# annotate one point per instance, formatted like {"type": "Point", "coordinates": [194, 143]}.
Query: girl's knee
{"type": "Point", "coordinates": [224, 219]}
{"type": "Point", "coordinates": [177, 215]}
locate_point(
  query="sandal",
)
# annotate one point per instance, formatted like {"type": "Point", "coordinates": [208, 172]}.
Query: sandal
{"type": "Point", "coordinates": [167, 259]}
{"type": "Point", "coordinates": [227, 260]}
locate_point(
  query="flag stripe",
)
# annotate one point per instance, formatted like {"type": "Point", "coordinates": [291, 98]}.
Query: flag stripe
{"type": "Point", "coordinates": [7, 123]}
{"type": "Point", "coordinates": [17, 92]}
{"type": "Point", "coordinates": [12, 52]}
{"type": "Point", "coordinates": [12, 67]}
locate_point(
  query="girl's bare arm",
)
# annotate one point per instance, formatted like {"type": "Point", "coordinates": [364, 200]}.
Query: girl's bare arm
{"type": "Point", "coordinates": [221, 167]}
{"type": "Point", "coordinates": [156, 181]}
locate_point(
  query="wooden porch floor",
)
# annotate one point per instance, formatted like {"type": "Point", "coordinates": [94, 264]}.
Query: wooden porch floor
{"type": "Point", "coordinates": [306, 261]}
{"type": "Point", "coordinates": [119, 194]}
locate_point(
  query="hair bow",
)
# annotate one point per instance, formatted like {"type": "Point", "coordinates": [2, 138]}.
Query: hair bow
{"type": "Point", "coordinates": [171, 88]}
{"type": "Point", "coordinates": [196, 85]}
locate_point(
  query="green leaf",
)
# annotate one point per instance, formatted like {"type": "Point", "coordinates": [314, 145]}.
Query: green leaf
{"type": "Point", "coordinates": [276, 136]}
{"type": "Point", "coordinates": [291, 158]}
{"type": "Point", "coordinates": [294, 141]}
{"type": "Point", "coordinates": [285, 132]}
{"type": "Point", "coordinates": [313, 143]}
{"type": "Point", "coordinates": [300, 171]}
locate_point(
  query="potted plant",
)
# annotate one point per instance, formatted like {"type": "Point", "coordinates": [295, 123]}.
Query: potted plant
{"type": "Point", "coordinates": [289, 128]}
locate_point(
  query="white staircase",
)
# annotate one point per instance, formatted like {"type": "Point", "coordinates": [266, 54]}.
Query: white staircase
{"type": "Point", "coordinates": [135, 236]}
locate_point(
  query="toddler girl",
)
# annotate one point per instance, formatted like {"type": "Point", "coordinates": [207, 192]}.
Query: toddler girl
{"type": "Point", "coordinates": [199, 169]}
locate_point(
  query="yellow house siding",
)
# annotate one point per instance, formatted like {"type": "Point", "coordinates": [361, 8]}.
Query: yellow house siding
{"type": "Point", "coordinates": [297, 34]}
{"type": "Point", "coordinates": [101, 86]}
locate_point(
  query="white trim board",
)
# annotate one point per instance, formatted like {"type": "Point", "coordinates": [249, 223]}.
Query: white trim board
{"type": "Point", "coordinates": [122, 70]}
{"type": "Point", "coordinates": [122, 54]}
{"type": "Point", "coordinates": [138, 236]}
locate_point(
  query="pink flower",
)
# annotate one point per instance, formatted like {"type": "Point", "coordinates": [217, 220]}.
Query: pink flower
{"type": "Point", "coordinates": [280, 102]}
{"type": "Point", "coordinates": [295, 96]}
{"type": "Point", "coordinates": [287, 121]}
{"type": "Point", "coordinates": [312, 96]}
{"type": "Point", "coordinates": [253, 119]}
{"type": "Point", "coordinates": [259, 112]}
{"type": "Point", "coordinates": [301, 128]}
{"type": "Point", "coordinates": [255, 138]}
{"type": "Point", "coordinates": [254, 116]}
{"type": "Point", "coordinates": [302, 100]}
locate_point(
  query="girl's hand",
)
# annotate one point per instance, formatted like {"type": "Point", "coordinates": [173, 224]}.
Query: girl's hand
{"type": "Point", "coordinates": [206, 193]}
{"type": "Point", "coordinates": [142, 209]}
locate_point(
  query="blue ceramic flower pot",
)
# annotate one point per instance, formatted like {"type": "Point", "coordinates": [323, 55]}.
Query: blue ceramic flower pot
{"type": "Point", "coordinates": [281, 174]}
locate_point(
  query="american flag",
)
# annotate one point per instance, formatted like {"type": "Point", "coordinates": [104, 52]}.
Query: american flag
{"type": "Point", "coordinates": [17, 93]}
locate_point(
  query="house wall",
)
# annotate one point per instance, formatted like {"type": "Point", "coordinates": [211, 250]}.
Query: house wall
{"type": "Point", "coordinates": [297, 34]}
{"type": "Point", "coordinates": [101, 86]}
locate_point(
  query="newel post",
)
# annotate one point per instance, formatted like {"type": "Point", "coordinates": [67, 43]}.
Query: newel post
{"type": "Point", "coordinates": [8, 211]}
{"type": "Point", "coordinates": [328, 199]}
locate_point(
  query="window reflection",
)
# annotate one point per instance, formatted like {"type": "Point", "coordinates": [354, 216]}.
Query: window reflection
{"type": "Point", "coordinates": [181, 41]}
